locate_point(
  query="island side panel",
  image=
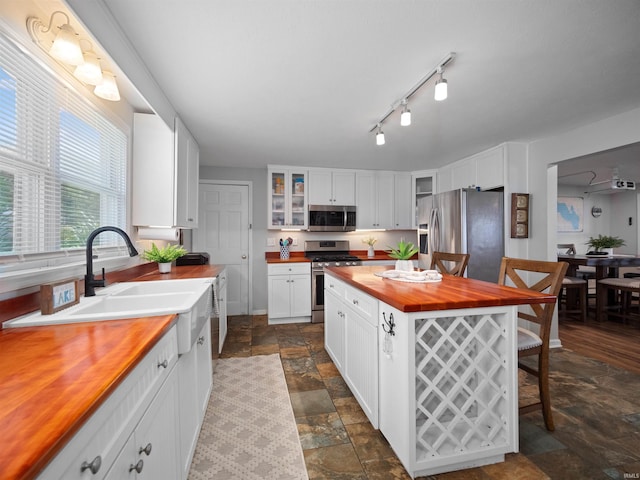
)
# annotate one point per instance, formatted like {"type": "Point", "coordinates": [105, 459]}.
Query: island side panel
{"type": "Point", "coordinates": [448, 390]}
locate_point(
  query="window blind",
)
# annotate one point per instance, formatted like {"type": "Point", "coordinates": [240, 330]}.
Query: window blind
{"type": "Point", "coordinates": [63, 164]}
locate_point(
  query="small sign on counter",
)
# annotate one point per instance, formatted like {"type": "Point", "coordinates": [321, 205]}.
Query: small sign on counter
{"type": "Point", "coordinates": [58, 296]}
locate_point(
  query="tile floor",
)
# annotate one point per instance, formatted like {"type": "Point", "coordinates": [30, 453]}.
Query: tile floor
{"type": "Point", "coordinates": [596, 411]}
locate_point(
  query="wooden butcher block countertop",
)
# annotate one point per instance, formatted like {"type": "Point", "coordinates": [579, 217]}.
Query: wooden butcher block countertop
{"type": "Point", "coordinates": [53, 378]}
{"type": "Point", "coordinates": [451, 293]}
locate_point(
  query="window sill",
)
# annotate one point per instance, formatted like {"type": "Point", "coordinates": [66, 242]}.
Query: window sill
{"type": "Point", "coordinates": [32, 278]}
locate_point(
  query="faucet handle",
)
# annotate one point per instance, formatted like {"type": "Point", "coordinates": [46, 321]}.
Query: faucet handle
{"type": "Point", "coordinates": [103, 280]}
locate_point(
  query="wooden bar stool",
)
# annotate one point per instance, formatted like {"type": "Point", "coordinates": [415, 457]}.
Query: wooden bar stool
{"type": "Point", "coordinates": [450, 263]}
{"type": "Point", "coordinates": [626, 290]}
{"type": "Point", "coordinates": [579, 284]}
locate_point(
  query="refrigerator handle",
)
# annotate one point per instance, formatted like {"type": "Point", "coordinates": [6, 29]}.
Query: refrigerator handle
{"type": "Point", "coordinates": [434, 231]}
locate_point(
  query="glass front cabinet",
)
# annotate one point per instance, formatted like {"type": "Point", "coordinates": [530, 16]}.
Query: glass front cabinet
{"type": "Point", "coordinates": [287, 198]}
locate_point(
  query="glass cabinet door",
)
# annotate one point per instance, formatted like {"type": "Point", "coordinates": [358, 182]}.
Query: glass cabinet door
{"type": "Point", "coordinates": [277, 199]}
{"type": "Point", "coordinates": [298, 204]}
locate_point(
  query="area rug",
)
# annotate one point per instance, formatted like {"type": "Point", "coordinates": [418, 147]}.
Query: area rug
{"type": "Point", "coordinates": [249, 430]}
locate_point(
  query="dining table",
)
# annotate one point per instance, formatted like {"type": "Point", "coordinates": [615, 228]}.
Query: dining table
{"type": "Point", "coordinates": [605, 266]}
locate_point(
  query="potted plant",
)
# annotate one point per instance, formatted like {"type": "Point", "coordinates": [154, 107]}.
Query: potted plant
{"type": "Point", "coordinates": [164, 256]}
{"type": "Point", "coordinates": [371, 241]}
{"type": "Point", "coordinates": [403, 253]}
{"type": "Point", "coordinates": [604, 242]}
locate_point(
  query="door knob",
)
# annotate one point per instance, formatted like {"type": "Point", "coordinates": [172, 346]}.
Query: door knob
{"type": "Point", "coordinates": [244, 257]}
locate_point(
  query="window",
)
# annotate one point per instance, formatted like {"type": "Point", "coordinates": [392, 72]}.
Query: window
{"type": "Point", "coordinates": [62, 163]}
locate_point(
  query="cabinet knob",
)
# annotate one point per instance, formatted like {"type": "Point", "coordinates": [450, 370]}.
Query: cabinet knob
{"type": "Point", "coordinates": [244, 257]}
{"type": "Point", "coordinates": [93, 467]}
{"type": "Point", "coordinates": [146, 450]}
{"type": "Point", "coordinates": [163, 364]}
{"type": "Point", "coordinates": [190, 219]}
{"type": "Point", "coordinates": [137, 467]}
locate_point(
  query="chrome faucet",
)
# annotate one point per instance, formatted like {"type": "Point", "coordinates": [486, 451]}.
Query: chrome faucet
{"type": "Point", "coordinates": [90, 283]}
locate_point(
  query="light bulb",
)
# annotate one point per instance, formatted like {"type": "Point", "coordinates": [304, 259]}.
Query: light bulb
{"type": "Point", "coordinates": [108, 89]}
{"type": "Point", "coordinates": [441, 89]}
{"type": "Point", "coordinates": [66, 47]}
{"type": "Point", "coordinates": [380, 136]}
{"type": "Point", "coordinates": [405, 117]}
{"type": "Point", "coordinates": [89, 71]}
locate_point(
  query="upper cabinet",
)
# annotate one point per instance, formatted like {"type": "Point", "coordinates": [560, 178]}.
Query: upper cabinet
{"type": "Point", "coordinates": [383, 200]}
{"type": "Point", "coordinates": [165, 173]}
{"type": "Point", "coordinates": [332, 187]}
{"type": "Point", "coordinates": [423, 186]}
{"type": "Point", "coordinates": [287, 198]}
{"type": "Point", "coordinates": [485, 170]}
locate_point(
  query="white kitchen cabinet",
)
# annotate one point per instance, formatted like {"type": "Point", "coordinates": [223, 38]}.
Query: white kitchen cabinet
{"type": "Point", "coordinates": [222, 309]}
{"type": "Point", "coordinates": [287, 198]}
{"type": "Point", "coordinates": [485, 170]}
{"type": "Point", "coordinates": [402, 201]}
{"type": "Point", "coordinates": [151, 451]}
{"type": "Point", "coordinates": [334, 318]}
{"type": "Point", "coordinates": [164, 184]}
{"type": "Point", "coordinates": [351, 336]}
{"type": "Point", "coordinates": [195, 376]}
{"type": "Point", "coordinates": [423, 186]}
{"type": "Point", "coordinates": [289, 292]}
{"type": "Point", "coordinates": [375, 199]}
{"type": "Point", "coordinates": [100, 441]}
{"type": "Point", "coordinates": [332, 187]}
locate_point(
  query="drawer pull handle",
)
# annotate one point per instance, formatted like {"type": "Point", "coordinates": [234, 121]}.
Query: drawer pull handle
{"type": "Point", "coordinates": [146, 450]}
{"type": "Point", "coordinates": [93, 467]}
{"type": "Point", "coordinates": [137, 467]}
{"type": "Point", "coordinates": [200, 340]}
{"type": "Point", "coordinates": [163, 364]}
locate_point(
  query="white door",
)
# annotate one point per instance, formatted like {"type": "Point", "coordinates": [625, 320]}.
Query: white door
{"type": "Point", "coordinates": [223, 232]}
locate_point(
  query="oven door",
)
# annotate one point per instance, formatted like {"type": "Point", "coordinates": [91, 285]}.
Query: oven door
{"type": "Point", "coordinates": [317, 296]}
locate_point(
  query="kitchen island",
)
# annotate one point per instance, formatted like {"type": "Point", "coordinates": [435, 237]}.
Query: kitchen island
{"type": "Point", "coordinates": [433, 365]}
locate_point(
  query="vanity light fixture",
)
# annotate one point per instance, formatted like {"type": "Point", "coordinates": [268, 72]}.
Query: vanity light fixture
{"type": "Point", "coordinates": [441, 87]}
{"type": "Point", "coordinates": [405, 117]}
{"type": "Point", "coordinates": [66, 49]}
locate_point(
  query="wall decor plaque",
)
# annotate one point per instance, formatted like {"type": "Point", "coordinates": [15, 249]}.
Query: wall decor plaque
{"type": "Point", "coordinates": [519, 215]}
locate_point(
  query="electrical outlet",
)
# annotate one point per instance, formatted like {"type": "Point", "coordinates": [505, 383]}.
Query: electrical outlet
{"type": "Point", "coordinates": [295, 241]}
{"type": "Point", "coordinates": [271, 242]}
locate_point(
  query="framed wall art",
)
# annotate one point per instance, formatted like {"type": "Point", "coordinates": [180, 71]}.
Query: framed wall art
{"type": "Point", "coordinates": [570, 214]}
{"type": "Point", "coordinates": [519, 215]}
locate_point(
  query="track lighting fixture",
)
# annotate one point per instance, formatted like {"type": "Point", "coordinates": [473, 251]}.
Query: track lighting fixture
{"type": "Point", "coordinates": [380, 136]}
{"type": "Point", "coordinates": [441, 87]}
{"type": "Point", "coordinates": [65, 48]}
{"type": "Point", "coordinates": [405, 116]}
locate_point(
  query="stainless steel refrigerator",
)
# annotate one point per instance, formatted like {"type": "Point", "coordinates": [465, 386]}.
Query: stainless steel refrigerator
{"type": "Point", "coordinates": [467, 221]}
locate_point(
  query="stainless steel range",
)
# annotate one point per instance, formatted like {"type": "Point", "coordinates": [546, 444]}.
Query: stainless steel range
{"type": "Point", "coordinates": [325, 253]}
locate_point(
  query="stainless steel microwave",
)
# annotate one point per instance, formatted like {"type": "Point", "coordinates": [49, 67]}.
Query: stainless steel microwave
{"type": "Point", "coordinates": [332, 218]}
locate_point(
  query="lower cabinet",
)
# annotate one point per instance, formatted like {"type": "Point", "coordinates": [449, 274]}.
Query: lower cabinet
{"type": "Point", "coordinates": [351, 339]}
{"type": "Point", "coordinates": [289, 292]}
{"type": "Point", "coordinates": [150, 452]}
{"type": "Point", "coordinates": [195, 375]}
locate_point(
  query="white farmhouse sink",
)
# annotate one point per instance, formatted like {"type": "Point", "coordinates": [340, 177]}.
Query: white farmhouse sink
{"type": "Point", "coordinates": [189, 298]}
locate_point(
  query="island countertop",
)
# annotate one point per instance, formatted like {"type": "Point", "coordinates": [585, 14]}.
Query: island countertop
{"type": "Point", "coordinates": [451, 293]}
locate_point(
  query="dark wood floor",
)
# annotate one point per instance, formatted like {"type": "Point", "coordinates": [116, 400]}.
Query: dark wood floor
{"type": "Point", "coordinates": [613, 342]}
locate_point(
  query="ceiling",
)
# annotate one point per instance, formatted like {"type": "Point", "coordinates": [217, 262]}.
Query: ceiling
{"type": "Point", "coordinates": [302, 82]}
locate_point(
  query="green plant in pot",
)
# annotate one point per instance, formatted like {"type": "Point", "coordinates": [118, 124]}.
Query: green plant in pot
{"type": "Point", "coordinates": [403, 253]}
{"type": "Point", "coordinates": [164, 255]}
{"type": "Point", "coordinates": [603, 242]}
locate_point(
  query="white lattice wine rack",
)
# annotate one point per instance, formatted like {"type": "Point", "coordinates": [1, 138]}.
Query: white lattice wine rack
{"type": "Point", "coordinates": [461, 398]}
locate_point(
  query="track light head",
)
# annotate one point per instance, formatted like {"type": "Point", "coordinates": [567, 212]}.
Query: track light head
{"type": "Point", "coordinates": [379, 136]}
{"type": "Point", "coordinates": [441, 87]}
{"type": "Point", "coordinates": [405, 116]}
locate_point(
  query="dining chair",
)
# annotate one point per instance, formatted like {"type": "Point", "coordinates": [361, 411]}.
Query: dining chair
{"type": "Point", "coordinates": [541, 276]}
{"type": "Point", "coordinates": [450, 263]}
